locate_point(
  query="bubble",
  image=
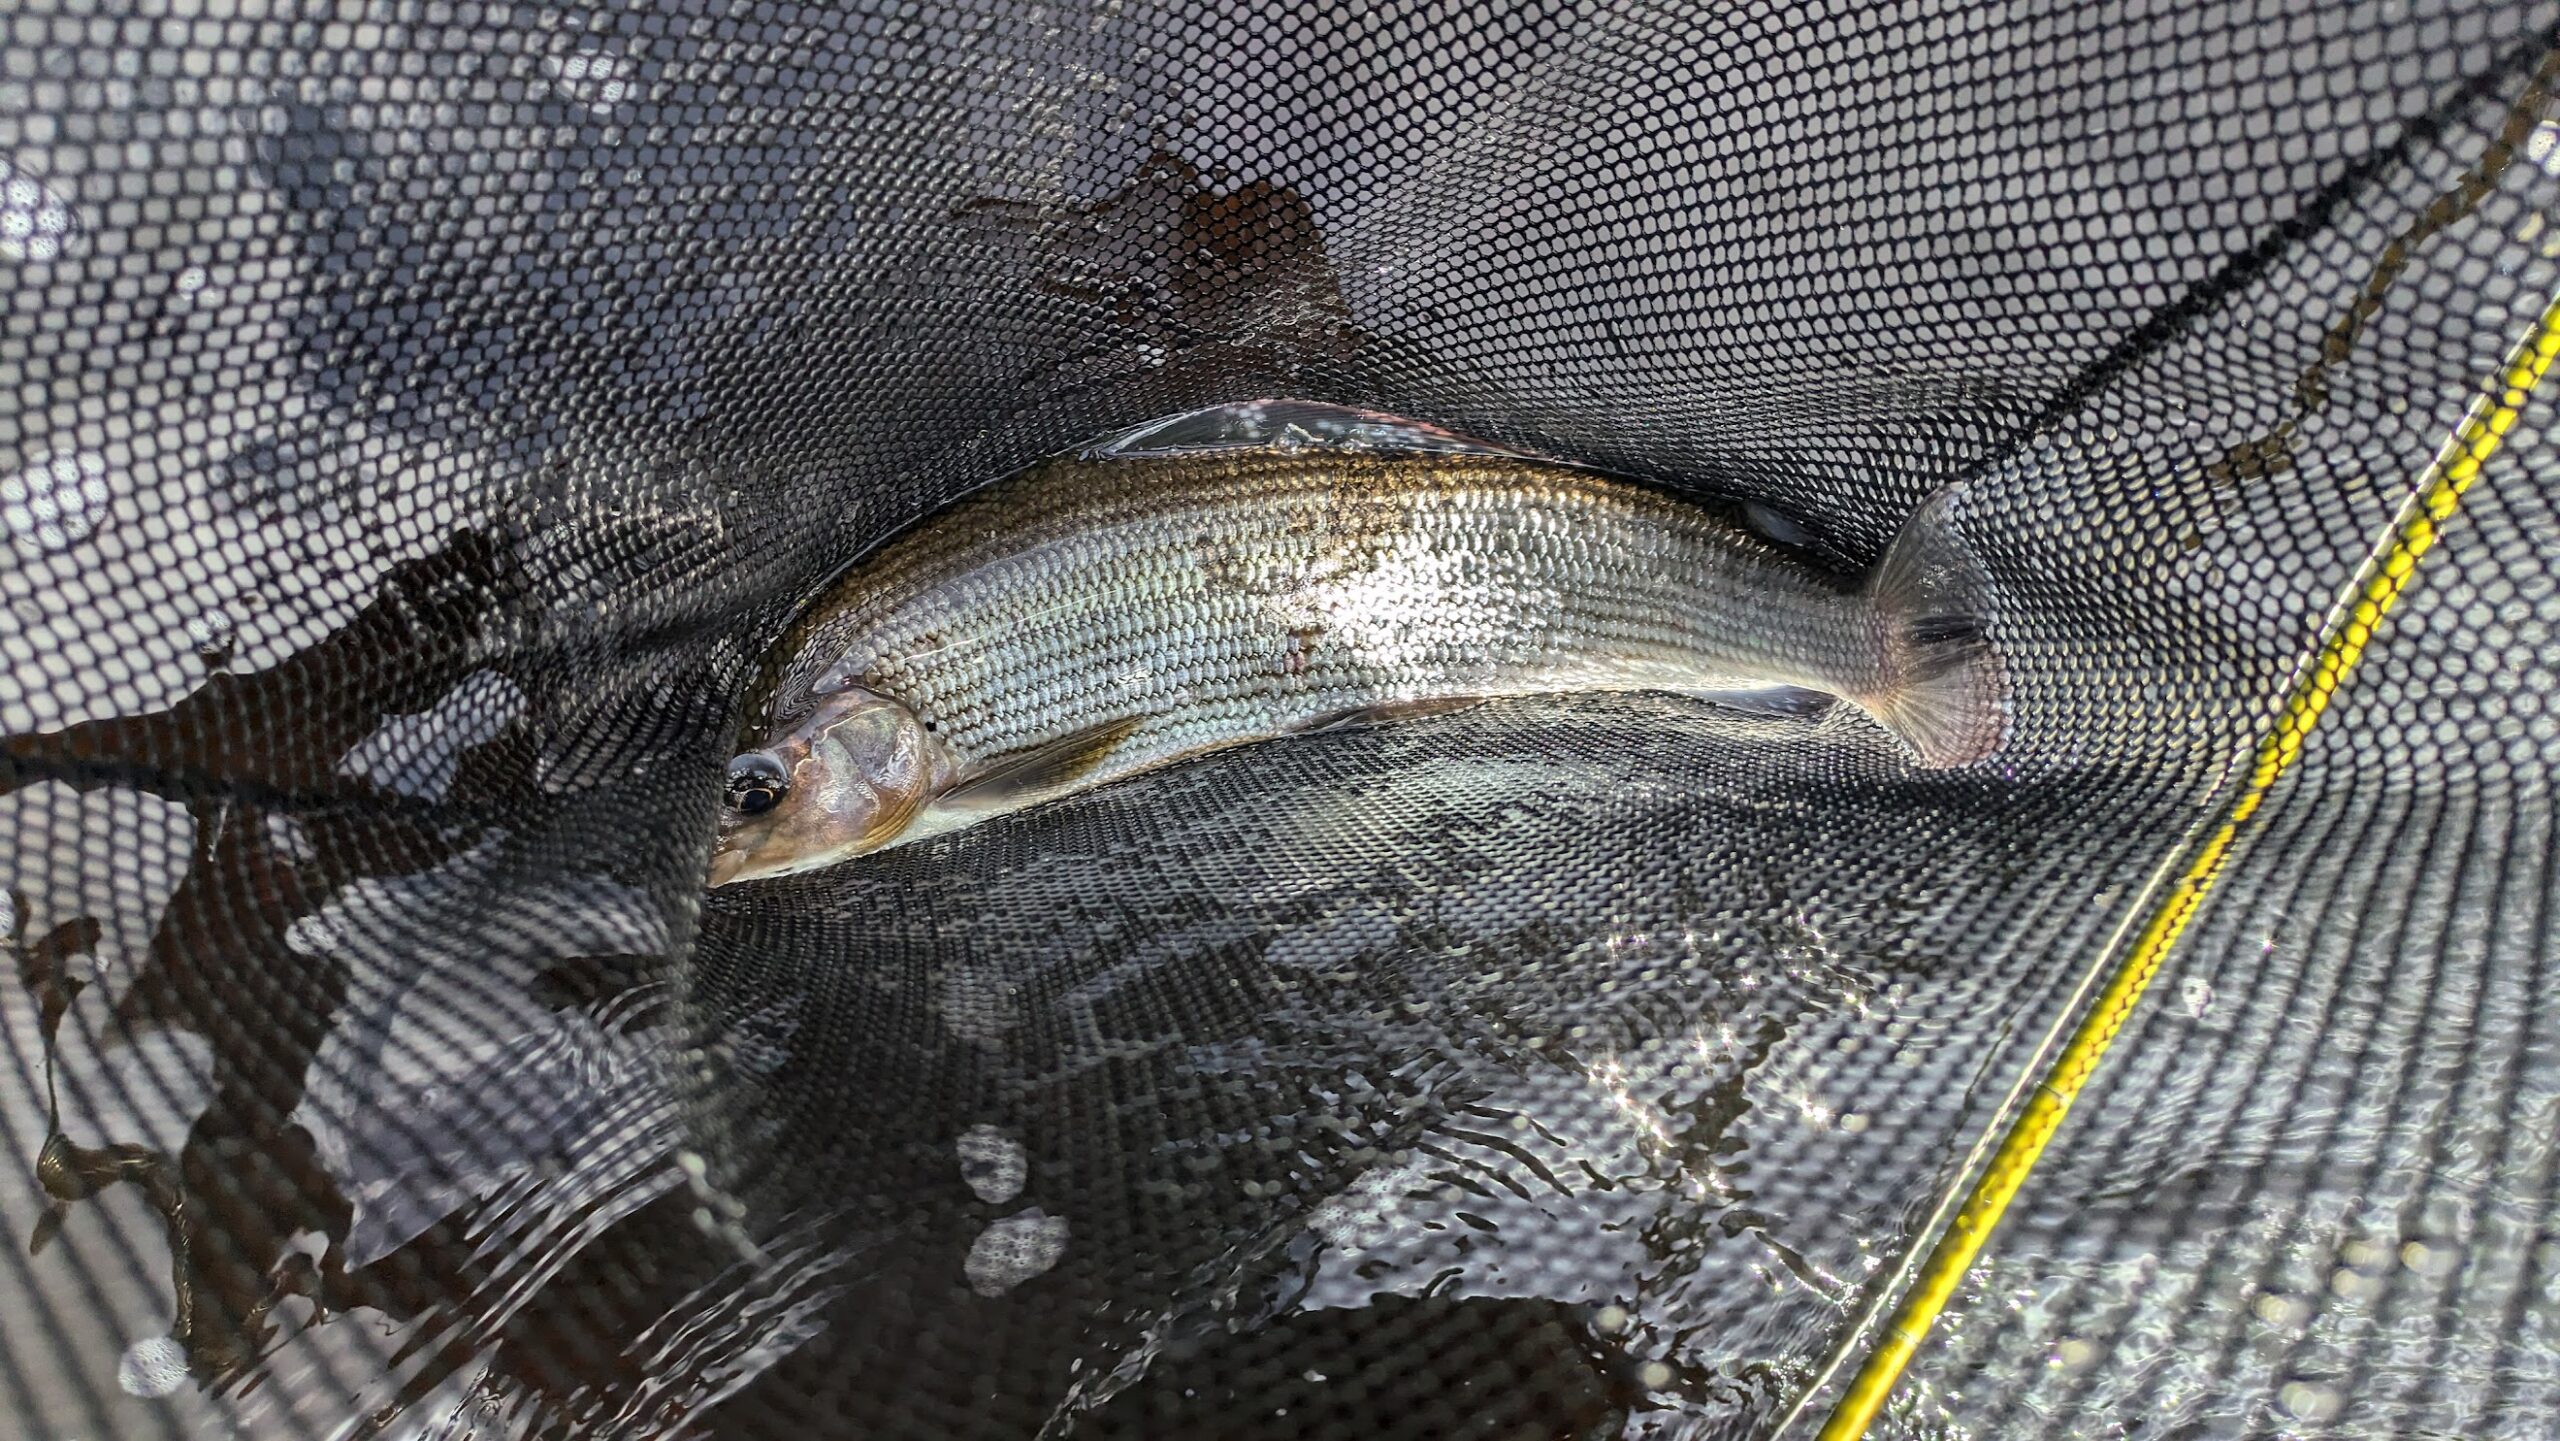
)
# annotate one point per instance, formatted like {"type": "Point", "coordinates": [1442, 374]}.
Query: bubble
{"type": "Point", "coordinates": [313, 935]}
{"type": "Point", "coordinates": [54, 502]}
{"type": "Point", "coordinates": [2434, 1260]}
{"type": "Point", "coordinates": [1013, 1250]}
{"type": "Point", "coordinates": [192, 279]}
{"type": "Point", "coordinates": [1611, 1320]}
{"type": "Point", "coordinates": [35, 223]}
{"type": "Point", "coordinates": [1654, 1375]}
{"type": "Point", "coordinates": [152, 1368]}
{"type": "Point", "coordinates": [2074, 1354]}
{"type": "Point", "coordinates": [597, 79]}
{"type": "Point", "coordinates": [2310, 1401]}
{"type": "Point", "coordinates": [2198, 994]}
{"type": "Point", "coordinates": [993, 1164]}
{"type": "Point", "coordinates": [2278, 1310]}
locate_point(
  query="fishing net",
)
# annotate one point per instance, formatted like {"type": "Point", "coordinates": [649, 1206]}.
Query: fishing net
{"type": "Point", "coordinates": [419, 415]}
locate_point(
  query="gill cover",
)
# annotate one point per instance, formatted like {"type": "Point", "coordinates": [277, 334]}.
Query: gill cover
{"type": "Point", "coordinates": [853, 773]}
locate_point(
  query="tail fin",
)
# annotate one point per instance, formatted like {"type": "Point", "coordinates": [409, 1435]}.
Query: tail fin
{"type": "Point", "coordinates": [1944, 695]}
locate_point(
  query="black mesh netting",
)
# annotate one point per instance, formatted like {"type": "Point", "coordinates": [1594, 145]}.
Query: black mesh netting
{"type": "Point", "coordinates": [417, 416]}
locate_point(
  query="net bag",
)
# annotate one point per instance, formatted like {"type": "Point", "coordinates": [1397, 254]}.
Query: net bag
{"type": "Point", "coordinates": [417, 417]}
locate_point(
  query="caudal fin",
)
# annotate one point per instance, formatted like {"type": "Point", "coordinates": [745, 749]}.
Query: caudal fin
{"type": "Point", "coordinates": [1944, 695]}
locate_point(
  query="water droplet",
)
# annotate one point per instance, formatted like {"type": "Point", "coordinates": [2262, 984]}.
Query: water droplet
{"type": "Point", "coordinates": [190, 288]}
{"type": "Point", "coordinates": [152, 1367]}
{"type": "Point", "coordinates": [55, 501]}
{"type": "Point", "coordinates": [597, 79]}
{"type": "Point", "coordinates": [35, 223]}
{"type": "Point", "coordinates": [214, 638]}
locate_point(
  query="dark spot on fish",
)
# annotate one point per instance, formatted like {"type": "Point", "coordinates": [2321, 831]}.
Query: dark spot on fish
{"type": "Point", "coordinates": [1362, 523]}
{"type": "Point", "coordinates": [1300, 653]}
{"type": "Point", "coordinates": [1227, 566]}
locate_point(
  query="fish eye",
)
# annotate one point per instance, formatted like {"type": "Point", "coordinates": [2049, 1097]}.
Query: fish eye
{"type": "Point", "coordinates": [757, 782]}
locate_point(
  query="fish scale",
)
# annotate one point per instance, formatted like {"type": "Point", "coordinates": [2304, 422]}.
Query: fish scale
{"type": "Point", "coordinates": [1178, 603]}
{"type": "Point", "coordinates": [1115, 585]}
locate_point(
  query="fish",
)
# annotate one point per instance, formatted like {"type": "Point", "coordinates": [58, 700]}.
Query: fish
{"type": "Point", "coordinates": [1089, 619]}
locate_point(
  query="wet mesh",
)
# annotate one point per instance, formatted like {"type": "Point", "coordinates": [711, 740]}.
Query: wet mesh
{"type": "Point", "coordinates": [418, 417]}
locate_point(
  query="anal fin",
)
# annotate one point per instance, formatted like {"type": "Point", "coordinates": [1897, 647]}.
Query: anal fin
{"type": "Point", "coordinates": [1788, 702]}
{"type": "Point", "coordinates": [1393, 710]}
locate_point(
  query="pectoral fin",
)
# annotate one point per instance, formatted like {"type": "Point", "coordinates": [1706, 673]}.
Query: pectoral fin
{"type": "Point", "coordinates": [1038, 774]}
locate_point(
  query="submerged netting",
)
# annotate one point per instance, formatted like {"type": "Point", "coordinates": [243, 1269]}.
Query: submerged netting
{"type": "Point", "coordinates": [419, 417]}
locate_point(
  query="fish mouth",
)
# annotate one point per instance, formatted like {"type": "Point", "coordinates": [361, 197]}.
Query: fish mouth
{"type": "Point", "coordinates": [733, 861]}
{"type": "Point", "coordinates": [732, 864]}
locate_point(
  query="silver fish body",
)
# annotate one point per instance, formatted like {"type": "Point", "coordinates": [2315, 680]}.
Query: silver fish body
{"type": "Point", "coordinates": [1089, 619]}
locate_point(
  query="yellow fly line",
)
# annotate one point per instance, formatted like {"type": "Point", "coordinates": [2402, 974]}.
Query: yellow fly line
{"type": "Point", "coordinates": [2346, 631]}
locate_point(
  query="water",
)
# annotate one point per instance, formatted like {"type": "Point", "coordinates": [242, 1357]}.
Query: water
{"type": "Point", "coordinates": [1605, 1045]}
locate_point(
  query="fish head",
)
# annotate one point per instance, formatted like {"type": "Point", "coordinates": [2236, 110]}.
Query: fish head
{"type": "Point", "coordinates": [839, 782]}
